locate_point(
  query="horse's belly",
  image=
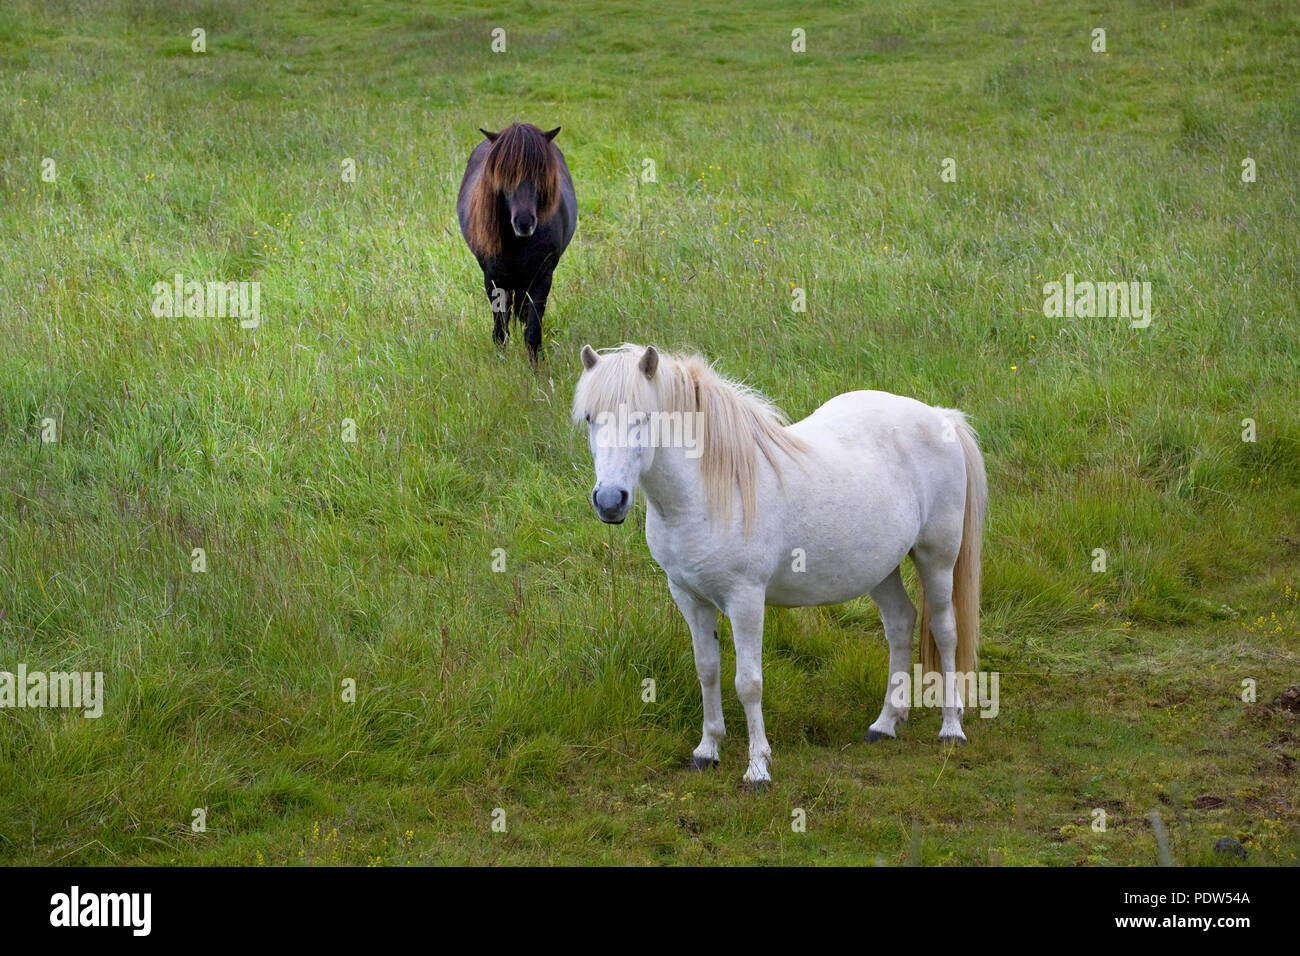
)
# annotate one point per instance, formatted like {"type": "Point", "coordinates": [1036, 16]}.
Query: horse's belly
{"type": "Point", "coordinates": [795, 588]}
{"type": "Point", "coordinates": [830, 555]}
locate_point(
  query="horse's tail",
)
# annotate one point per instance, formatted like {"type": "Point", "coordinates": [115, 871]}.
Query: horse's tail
{"type": "Point", "coordinates": [966, 572]}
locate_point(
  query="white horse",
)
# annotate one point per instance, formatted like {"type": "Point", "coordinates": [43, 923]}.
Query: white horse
{"type": "Point", "coordinates": [744, 511]}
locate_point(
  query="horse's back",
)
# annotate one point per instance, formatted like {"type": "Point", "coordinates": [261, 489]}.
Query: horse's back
{"type": "Point", "coordinates": [863, 419]}
{"type": "Point", "coordinates": [894, 452]}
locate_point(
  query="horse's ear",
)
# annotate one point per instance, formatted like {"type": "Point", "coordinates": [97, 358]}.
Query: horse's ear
{"type": "Point", "coordinates": [550, 134]}
{"type": "Point", "coordinates": [491, 137]}
{"type": "Point", "coordinates": [589, 357]}
{"type": "Point", "coordinates": [649, 362]}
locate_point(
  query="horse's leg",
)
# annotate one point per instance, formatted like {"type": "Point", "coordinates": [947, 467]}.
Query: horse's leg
{"type": "Point", "coordinates": [899, 616]}
{"type": "Point", "coordinates": [936, 577]}
{"type": "Point", "coordinates": [703, 621]}
{"type": "Point", "coordinates": [499, 300]}
{"type": "Point", "coordinates": [536, 297]}
{"type": "Point", "coordinates": [746, 613]}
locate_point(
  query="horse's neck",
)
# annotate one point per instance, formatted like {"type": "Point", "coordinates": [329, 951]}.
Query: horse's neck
{"type": "Point", "coordinates": [674, 485]}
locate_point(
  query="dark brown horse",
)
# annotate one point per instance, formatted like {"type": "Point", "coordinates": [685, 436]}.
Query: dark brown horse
{"type": "Point", "coordinates": [517, 213]}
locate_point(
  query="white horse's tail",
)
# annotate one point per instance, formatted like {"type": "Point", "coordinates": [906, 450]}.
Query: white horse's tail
{"type": "Point", "coordinates": [966, 572]}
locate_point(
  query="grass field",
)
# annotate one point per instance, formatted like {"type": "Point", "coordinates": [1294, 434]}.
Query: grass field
{"type": "Point", "coordinates": [371, 561]}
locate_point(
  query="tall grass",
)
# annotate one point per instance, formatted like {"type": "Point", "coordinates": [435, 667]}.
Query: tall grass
{"type": "Point", "coordinates": [372, 561]}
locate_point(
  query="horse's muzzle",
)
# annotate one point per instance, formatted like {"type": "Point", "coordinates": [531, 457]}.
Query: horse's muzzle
{"type": "Point", "coordinates": [611, 504]}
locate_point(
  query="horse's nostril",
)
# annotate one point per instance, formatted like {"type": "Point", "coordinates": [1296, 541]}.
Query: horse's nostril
{"type": "Point", "coordinates": [622, 498]}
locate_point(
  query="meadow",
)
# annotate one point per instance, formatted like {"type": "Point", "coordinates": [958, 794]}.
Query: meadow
{"type": "Point", "coordinates": [128, 440]}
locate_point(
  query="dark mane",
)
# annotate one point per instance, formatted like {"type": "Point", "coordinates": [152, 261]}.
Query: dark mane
{"type": "Point", "coordinates": [520, 153]}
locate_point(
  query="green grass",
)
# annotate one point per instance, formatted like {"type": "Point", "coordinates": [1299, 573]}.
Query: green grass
{"type": "Point", "coordinates": [522, 690]}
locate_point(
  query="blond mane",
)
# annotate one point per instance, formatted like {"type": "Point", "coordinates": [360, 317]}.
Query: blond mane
{"type": "Point", "coordinates": [736, 423]}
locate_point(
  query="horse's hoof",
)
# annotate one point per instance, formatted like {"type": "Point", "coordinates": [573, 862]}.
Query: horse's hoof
{"type": "Point", "coordinates": [702, 763]}
{"type": "Point", "coordinates": [874, 736]}
{"type": "Point", "coordinates": [754, 786]}
{"type": "Point", "coordinates": [955, 739]}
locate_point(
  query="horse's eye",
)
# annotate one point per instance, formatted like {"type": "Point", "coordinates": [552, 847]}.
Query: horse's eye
{"type": "Point", "coordinates": [589, 418]}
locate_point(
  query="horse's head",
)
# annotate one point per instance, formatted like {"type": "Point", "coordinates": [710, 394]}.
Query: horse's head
{"type": "Point", "coordinates": [522, 169]}
{"type": "Point", "coordinates": [618, 428]}
{"type": "Point", "coordinates": [714, 432]}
